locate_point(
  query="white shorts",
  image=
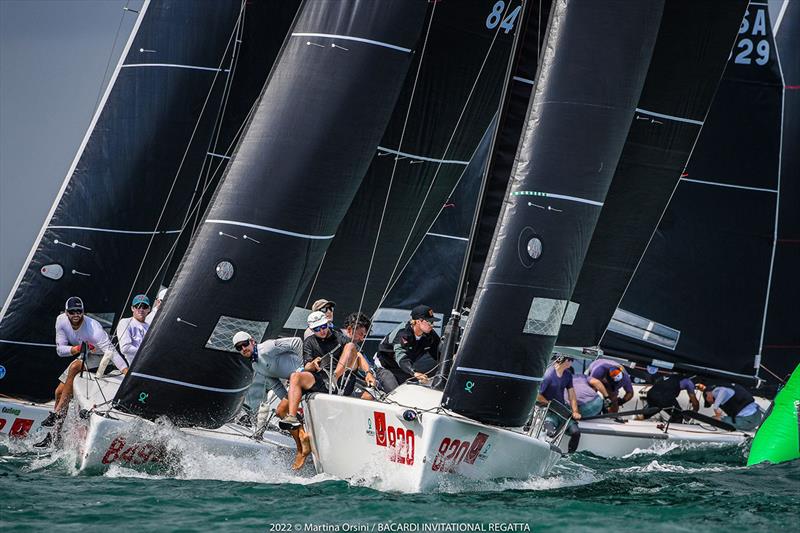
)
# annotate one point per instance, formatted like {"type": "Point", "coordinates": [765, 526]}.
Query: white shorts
{"type": "Point", "coordinates": [92, 362]}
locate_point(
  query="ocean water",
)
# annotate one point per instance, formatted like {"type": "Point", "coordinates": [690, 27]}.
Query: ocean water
{"type": "Point", "coordinates": [681, 489]}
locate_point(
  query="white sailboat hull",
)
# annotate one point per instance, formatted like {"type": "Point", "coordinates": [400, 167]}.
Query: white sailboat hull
{"type": "Point", "coordinates": [616, 439]}
{"type": "Point", "coordinates": [369, 441]}
{"type": "Point", "coordinates": [108, 436]}
{"type": "Point", "coordinates": [19, 418]}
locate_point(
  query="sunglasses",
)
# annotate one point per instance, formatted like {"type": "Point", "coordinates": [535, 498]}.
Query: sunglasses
{"type": "Point", "coordinates": [327, 308]}
{"type": "Point", "coordinates": [141, 306]}
{"type": "Point", "coordinates": [241, 346]}
{"type": "Point", "coordinates": [74, 312]}
{"type": "Point", "coordinates": [317, 329]}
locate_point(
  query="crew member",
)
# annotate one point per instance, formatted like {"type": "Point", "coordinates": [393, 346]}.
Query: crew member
{"type": "Point", "coordinates": [157, 305]}
{"type": "Point", "coordinates": [276, 359]}
{"type": "Point", "coordinates": [556, 383]}
{"type": "Point", "coordinates": [409, 351]}
{"type": "Point", "coordinates": [130, 334]}
{"type": "Point", "coordinates": [607, 377]}
{"type": "Point", "coordinates": [664, 394]}
{"type": "Point", "coordinates": [326, 307]}
{"type": "Point", "coordinates": [590, 403]}
{"type": "Point", "coordinates": [736, 402]}
{"type": "Point", "coordinates": [76, 334]}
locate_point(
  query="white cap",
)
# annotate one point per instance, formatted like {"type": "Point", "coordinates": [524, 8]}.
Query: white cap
{"type": "Point", "coordinates": [241, 337]}
{"type": "Point", "coordinates": [316, 319]}
{"type": "Point", "coordinates": [162, 293]}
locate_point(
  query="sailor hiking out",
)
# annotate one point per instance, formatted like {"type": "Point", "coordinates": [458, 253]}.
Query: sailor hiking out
{"type": "Point", "coordinates": [556, 383]}
{"type": "Point", "coordinates": [736, 402]}
{"type": "Point", "coordinates": [76, 335]}
{"type": "Point", "coordinates": [409, 351]}
{"type": "Point", "coordinates": [130, 334]}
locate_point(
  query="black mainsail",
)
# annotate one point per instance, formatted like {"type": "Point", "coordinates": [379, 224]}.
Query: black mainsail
{"type": "Point", "coordinates": [293, 175]}
{"type": "Point", "coordinates": [446, 105]}
{"type": "Point", "coordinates": [698, 297]}
{"type": "Point", "coordinates": [590, 78]}
{"type": "Point", "coordinates": [780, 347]}
{"type": "Point", "coordinates": [125, 197]}
{"type": "Point", "coordinates": [691, 52]}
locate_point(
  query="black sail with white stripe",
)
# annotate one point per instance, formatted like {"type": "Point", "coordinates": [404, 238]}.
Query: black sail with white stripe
{"type": "Point", "coordinates": [292, 177]}
{"type": "Point", "coordinates": [448, 101]}
{"type": "Point", "coordinates": [780, 349]}
{"type": "Point", "coordinates": [127, 193]}
{"type": "Point", "coordinates": [590, 78]}
{"type": "Point", "coordinates": [693, 45]}
{"type": "Point", "coordinates": [698, 298]}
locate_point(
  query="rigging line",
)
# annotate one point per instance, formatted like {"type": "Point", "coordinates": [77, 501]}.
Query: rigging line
{"type": "Point", "coordinates": [776, 376]}
{"type": "Point", "coordinates": [111, 53]}
{"type": "Point", "coordinates": [392, 282]}
{"type": "Point", "coordinates": [180, 167]}
{"type": "Point", "coordinates": [168, 258]}
{"type": "Point", "coordinates": [449, 143]}
{"type": "Point", "coordinates": [216, 131]}
{"type": "Point", "coordinates": [777, 212]}
{"type": "Point", "coordinates": [671, 196]}
{"type": "Point", "coordinates": [394, 166]}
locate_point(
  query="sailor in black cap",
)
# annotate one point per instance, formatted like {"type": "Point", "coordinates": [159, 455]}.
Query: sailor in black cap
{"type": "Point", "coordinates": [409, 351]}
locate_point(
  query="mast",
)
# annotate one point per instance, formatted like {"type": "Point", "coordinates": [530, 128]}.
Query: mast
{"type": "Point", "coordinates": [694, 42]}
{"type": "Point", "coordinates": [293, 174]}
{"type": "Point", "coordinates": [590, 78]}
{"type": "Point", "coordinates": [697, 299]}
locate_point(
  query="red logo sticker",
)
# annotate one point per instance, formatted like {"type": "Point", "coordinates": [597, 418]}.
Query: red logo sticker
{"type": "Point", "coordinates": [380, 428]}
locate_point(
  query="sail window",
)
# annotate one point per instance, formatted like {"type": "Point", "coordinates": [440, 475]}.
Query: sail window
{"type": "Point", "coordinates": [298, 319]}
{"type": "Point", "coordinates": [544, 317]}
{"type": "Point", "coordinates": [535, 248]}
{"type": "Point", "coordinates": [52, 271]}
{"type": "Point", "coordinates": [570, 313]}
{"type": "Point", "coordinates": [643, 329]}
{"type": "Point", "coordinates": [225, 270]}
{"type": "Point", "coordinates": [227, 326]}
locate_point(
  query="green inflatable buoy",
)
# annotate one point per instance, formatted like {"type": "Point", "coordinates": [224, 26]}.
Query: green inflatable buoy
{"type": "Point", "coordinates": [778, 438]}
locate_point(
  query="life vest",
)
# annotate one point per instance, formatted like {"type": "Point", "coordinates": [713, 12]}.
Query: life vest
{"type": "Point", "coordinates": [740, 399]}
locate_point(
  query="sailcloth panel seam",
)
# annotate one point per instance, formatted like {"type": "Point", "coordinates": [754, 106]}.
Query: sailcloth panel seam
{"type": "Point", "coordinates": [175, 65]}
{"type": "Point", "coordinates": [28, 343]}
{"type": "Point", "coordinates": [187, 384]}
{"type": "Point", "coordinates": [559, 197]}
{"type": "Point", "coordinates": [669, 117]}
{"type": "Point", "coordinates": [107, 230]}
{"type": "Point", "coordinates": [496, 373]}
{"type": "Point", "coordinates": [272, 230]}
{"type": "Point", "coordinates": [423, 158]}
{"type": "Point", "coordinates": [356, 39]}
{"type": "Point", "coordinates": [730, 185]}
{"type": "Point", "coordinates": [444, 236]}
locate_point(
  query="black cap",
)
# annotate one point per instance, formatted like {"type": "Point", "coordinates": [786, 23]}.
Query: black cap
{"type": "Point", "coordinates": [423, 312]}
{"type": "Point", "coordinates": [74, 304]}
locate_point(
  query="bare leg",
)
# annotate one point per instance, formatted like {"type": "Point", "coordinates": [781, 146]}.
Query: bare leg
{"type": "Point", "coordinates": [347, 361]}
{"type": "Point", "coordinates": [283, 408]}
{"type": "Point", "coordinates": [66, 393]}
{"type": "Point", "coordinates": [59, 391]}
{"type": "Point", "coordinates": [303, 443]}
{"type": "Point", "coordinates": [298, 382]}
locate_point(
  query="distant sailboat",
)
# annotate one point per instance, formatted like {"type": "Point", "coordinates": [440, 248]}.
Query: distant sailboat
{"type": "Point", "coordinates": [300, 160]}
{"type": "Point", "coordinates": [418, 434]}
{"type": "Point", "coordinates": [159, 139]}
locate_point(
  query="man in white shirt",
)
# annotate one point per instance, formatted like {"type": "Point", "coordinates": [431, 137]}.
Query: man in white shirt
{"type": "Point", "coordinates": [130, 332]}
{"type": "Point", "coordinates": [76, 334]}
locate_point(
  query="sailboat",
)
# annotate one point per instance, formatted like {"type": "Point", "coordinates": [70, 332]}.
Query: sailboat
{"type": "Point", "coordinates": [681, 311]}
{"type": "Point", "coordinates": [304, 151]}
{"type": "Point", "coordinates": [151, 156]}
{"type": "Point", "coordinates": [590, 76]}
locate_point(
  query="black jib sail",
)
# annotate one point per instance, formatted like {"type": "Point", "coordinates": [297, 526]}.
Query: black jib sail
{"type": "Point", "coordinates": [590, 77]}
{"type": "Point", "coordinates": [292, 177]}
{"type": "Point", "coordinates": [698, 297]}
{"type": "Point", "coordinates": [693, 45]}
{"type": "Point", "coordinates": [780, 348]}
{"type": "Point", "coordinates": [447, 103]}
{"type": "Point", "coordinates": [124, 199]}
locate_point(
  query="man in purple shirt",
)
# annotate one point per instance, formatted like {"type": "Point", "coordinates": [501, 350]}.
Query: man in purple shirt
{"type": "Point", "coordinates": [607, 377]}
{"type": "Point", "coordinates": [589, 402]}
{"type": "Point", "coordinates": [557, 382]}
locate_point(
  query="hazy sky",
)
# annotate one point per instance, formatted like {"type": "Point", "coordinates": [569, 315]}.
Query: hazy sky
{"type": "Point", "coordinates": [53, 56]}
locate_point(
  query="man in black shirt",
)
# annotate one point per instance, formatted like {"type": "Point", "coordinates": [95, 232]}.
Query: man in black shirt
{"type": "Point", "coordinates": [410, 351]}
